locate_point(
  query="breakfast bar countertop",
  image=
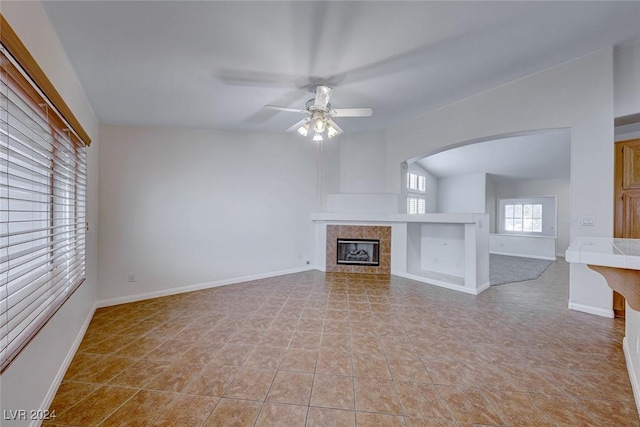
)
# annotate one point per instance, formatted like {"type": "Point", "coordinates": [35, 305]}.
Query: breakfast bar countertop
{"type": "Point", "coordinates": [605, 251]}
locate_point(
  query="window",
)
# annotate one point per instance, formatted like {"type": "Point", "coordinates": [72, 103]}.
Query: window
{"type": "Point", "coordinates": [416, 186]}
{"type": "Point", "coordinates": [42, 202]}
{"type": "Point", "coordinates": [523, 217]}
{"type": "Point", "coordinates": [415, 205]}
{"type": "Point", "coordinates": [416, 182]}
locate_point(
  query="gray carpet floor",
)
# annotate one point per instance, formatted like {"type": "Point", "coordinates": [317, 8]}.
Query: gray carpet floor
{"type": "Point", "coordinates": [510, 269]}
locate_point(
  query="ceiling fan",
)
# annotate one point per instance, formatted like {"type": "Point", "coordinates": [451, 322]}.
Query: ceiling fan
{"type": "Point", "coordinates": [319, 115]}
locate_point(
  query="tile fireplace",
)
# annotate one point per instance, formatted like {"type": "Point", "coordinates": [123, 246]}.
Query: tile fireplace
{"type": "Point", "coordinates": [358, 249]}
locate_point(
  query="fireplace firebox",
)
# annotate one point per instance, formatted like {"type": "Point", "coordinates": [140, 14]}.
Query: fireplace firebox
{"type": "Point", "coordinates": [358, 252]}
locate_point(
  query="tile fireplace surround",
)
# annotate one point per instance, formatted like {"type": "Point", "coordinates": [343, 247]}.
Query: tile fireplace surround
{"type": "Point", "coordinates": [382, 233]}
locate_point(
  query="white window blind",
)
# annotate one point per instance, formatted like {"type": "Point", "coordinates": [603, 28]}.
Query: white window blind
{"type": "Point", "coordinates": [42, 211]}
{"type": "Point", "coordinates": [415, 205]}
{"type": "Point", "coordinates": [416, 187]}
{"type": "Point", "coordinates": [416, 182]}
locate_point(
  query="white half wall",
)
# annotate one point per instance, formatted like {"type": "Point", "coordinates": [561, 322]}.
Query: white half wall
{"type": "Point", "coordinates": [577, 95]}
{"type": "Point", "coordinates": [31, 381]}
{"type": "Point", "coordinates": [182, 207]}
{"type": "Point", "coordinates": [523, 246]}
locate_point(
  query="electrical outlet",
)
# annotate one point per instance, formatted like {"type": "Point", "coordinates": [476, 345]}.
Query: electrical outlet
{"type": "Point", "coordinates": [132, 277]}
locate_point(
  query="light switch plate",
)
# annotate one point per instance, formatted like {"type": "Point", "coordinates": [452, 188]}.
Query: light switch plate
{"type": "Point", "coordinates": [588, 221]}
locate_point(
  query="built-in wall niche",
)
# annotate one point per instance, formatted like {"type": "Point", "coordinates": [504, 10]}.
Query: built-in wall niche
{"type": "Point", "coordinates": [358, 249]}
{"type": "Point", "coordinates": [437, 251]}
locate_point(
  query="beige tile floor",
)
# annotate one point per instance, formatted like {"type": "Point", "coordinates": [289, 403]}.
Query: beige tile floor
{"type": "Point", "coordinates": [335, 349]}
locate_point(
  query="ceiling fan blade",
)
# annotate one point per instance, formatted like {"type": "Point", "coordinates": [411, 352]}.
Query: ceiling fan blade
{"type": "Point", "coordinates": [351, 112]}
{"type": "Point", "coordinates": [335, 126]}
{"type": "Point", "coordinates": [287, 109]}
{"type": "Point", "coordinates": [322, 96]}
{"type": "Point", "coordinates": [298, 124]}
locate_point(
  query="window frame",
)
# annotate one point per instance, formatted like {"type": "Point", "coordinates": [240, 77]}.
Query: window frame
{"type": "Point", "coordinates": [549, 214]}
{"type": "Point", "coordinates": [522, 217]}
{"type": "Point", "coordinates": [42, 163]}
{"type": "Point", "coordinates": [416, 193]}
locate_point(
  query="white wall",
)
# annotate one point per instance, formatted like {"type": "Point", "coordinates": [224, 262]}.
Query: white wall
{"type": "Point", "coordinates": [31, 380]}
{"type": "Point", "coordinates": [525, 246]}
{"type": "Point", "coordinates": [362, 203]}
{"type": "Point", "coordinates": [431, 188]}
{"type": "Point", "coordinates": [501, 188]}
{"type": "Point", "coordinates": [362, 165]}
{"type": "Point", "coordinates": [462, 193]}
{"type": "Point", "coordinates": [497, 187]}
{"type": "Point", "coordinates": [627, 79]}
{"type": "Point", "coordinates": [490, 201]}
{"type": "Point", "coordinates": [185, 207]}
{"type": "Point", "coordinates": [577, 95]}
{"type": "Point", "coordinates": [552, 187]}
{"type": "Point", "coordinates": [361, 174]}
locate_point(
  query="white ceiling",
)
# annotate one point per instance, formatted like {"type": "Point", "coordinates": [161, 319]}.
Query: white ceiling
{"type": "Point", "coordinates": [544, 155]}
{"type": "Point", "coordinates": [215, 64]}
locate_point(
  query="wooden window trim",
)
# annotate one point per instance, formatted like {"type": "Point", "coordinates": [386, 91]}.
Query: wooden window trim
{"type": "Point", "coordinates": [18, 50]}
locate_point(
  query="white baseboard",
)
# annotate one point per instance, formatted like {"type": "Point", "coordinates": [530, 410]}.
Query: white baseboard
{"type": "Point", "coordinates": [548, 258]}
{"type": "Point", "coordinates": [196, 287]}
{"type": "Point", "coordinates": [442, 284]}
{"type": "Point", "coordinates": [632, 373]}
{"type": "Point", "coordinates": [482, 288]}
{"type": "Point", "coordinates": [53, 389]}
{"type": "Point", "coordinates": [591, 310]}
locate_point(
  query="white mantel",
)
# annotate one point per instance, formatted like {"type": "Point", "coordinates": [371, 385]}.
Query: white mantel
{"type": "Point", "coordinates": [448, 218]}
{"type": "Point", "coordinates": [450, 250]}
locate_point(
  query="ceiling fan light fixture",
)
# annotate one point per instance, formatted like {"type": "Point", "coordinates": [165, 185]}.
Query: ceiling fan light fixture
{"type": "Point", "coordinates": [304, 129]}
{"type": "Point", "coordinates": [331, 131]}
{"type": "Point", "coordinates": [319, 125]}
{"type": "Point", "coordinates": [317, 137]}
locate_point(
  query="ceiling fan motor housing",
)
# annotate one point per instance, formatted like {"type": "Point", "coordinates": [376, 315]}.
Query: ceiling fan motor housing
{"type": "Point", "coordinates": [310, 106]}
